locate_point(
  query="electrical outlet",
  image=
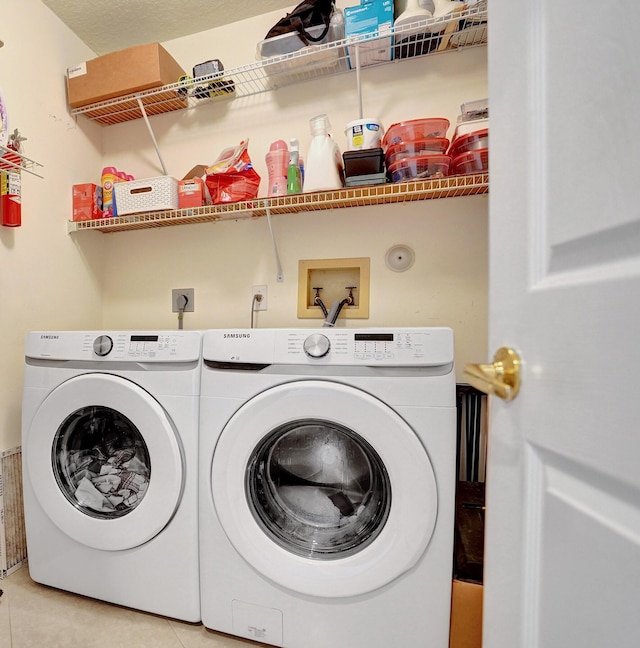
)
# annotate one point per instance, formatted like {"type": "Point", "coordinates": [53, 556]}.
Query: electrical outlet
{"type": "Point", "coordinates": [177, 300]}
{"type": "Point", "coordinates": [260, 303]}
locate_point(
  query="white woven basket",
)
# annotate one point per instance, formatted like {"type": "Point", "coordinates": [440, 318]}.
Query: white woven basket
{"type": "Point", "coordinates": [149, 194]}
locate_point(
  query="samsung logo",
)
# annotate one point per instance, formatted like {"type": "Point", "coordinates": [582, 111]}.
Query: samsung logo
{"type": "Point", "coordinates": [49, 337]}
{"type": "Point", "coordinates": [236, 335]}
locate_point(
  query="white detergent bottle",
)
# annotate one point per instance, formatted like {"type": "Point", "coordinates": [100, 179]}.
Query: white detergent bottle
{"type": "Point", "coordinates": [323, 165]}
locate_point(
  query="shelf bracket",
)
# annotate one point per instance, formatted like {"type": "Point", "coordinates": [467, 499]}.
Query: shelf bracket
{"type": "Point", "coordinates": [153, 138]}
{"type": "Point", "coordinates": [279, 274]}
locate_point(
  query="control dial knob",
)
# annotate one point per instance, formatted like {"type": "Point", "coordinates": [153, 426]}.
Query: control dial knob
{"type": "Point", "coordinates": [316, 345]}
{"type": "Point", "coordinates": [102, 345]}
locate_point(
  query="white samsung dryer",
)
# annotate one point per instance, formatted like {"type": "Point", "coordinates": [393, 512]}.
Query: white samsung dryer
{"type": "Point", "coordinates": [327, 486]}
{"type": "Point", "coordinates": [109, 445]}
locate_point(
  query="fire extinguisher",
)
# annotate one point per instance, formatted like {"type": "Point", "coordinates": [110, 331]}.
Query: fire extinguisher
{"type": "Point", "coordinates": [10, 198]}
{"type": "Point", "coordinates": [11, 184]}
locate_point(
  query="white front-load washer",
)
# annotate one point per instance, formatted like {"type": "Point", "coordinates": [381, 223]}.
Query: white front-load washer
{"type": "Point", "coordinates": [327, 486]}
{"type": "Point", "coordinates": [109, 445]}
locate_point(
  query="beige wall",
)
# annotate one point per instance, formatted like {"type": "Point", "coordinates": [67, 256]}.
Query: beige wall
{"type": "Point", "coordinates": [53, 280]}
{"type": "Point", "coordinates": [447, 284]}
{"type": "Point", "coordinates": [46, 279]}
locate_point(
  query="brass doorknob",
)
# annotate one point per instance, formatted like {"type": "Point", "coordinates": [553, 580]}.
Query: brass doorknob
{"type": "Point", "coordinates": [501, 378]}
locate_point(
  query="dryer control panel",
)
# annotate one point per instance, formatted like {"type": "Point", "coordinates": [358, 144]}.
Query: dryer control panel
{"type": "Point", "coordinates": [330, 346]}
{"type": "Point", "coordinates": [122, 346]}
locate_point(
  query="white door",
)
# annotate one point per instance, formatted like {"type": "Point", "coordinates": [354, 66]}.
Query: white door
{"type": "Point", "coordinates": [563, 490]}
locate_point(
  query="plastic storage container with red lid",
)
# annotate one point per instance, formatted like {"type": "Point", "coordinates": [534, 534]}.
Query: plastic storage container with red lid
{"type": "Point", "coordinates": [417, 147]}
{"type": "Point", "coordinates": [471, 162]}
{"type": "Point", "coordinates": [422, 167]}
{"type": "Point", "coordinates": [415, 129]}
{"type": "Point", "coordinates": [471, 142]}
{"type": "Point", "coordinates": [471, 126]}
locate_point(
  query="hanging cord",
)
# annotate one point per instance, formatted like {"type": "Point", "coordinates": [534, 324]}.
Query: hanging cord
{"type": "Point", "coordinates": [257, 298]}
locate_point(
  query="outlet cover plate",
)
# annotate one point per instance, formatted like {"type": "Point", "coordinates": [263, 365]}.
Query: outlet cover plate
{"type": "Point", "coordinates": [176, 299]}
{"type": "Point", "coordinates": [262, 304]}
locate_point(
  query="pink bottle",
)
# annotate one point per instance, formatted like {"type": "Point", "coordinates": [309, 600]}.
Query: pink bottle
{"type": "Point", "coordinates": [277, 161]}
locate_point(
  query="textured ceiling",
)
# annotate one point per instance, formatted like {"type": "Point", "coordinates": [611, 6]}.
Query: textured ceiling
{"type": "Point", "coordinates": [111, 25]}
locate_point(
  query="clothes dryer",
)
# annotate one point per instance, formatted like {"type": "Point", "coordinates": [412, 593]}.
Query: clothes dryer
{"type": "Point", "coordinates": [327, 460]}
{"type": "Point", "coordinates": [109, 444]}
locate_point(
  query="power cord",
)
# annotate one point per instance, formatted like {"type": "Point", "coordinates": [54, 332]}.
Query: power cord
{"type": "Point", "coordinates": [181, 310]}
{"type": "Point", "coordinates": [257, 298]}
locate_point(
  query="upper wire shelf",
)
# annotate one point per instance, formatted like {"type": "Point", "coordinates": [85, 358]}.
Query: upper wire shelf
{"type": "Point", "coordinates": [11, 160]}
{"type": "Point", "coordinates": [424, 37]}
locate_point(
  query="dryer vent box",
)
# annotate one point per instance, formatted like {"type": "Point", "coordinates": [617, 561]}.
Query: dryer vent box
{"type": "Point", "coordinates": [333, 276]}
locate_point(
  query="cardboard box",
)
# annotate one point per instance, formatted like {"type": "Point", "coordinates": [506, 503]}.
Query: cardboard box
{"type": "Point", "coordinates": [466, 615]}
{"type": "Point", "coordinates": [373, 18]}
{"type": "Point", "coordinates": [469, 531]}
{"type": "Point", "coordinates": [87, 201]}
{"type": "Point", "coordinates": [468, 566]}
{"type": "Point", "coordinates": [190, 193]}
{"type": "Point", "coordinates": [121, 73]}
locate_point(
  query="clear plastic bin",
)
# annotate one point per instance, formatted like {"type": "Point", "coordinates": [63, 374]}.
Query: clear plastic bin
{"type": "Point", "coordinates": [478, 109]}
{"type": "Point", "coordinates": [316, 57]}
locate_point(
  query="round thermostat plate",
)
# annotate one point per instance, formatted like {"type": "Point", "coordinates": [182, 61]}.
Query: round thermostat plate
{"type": "Point", "coordinates": [400, 258]}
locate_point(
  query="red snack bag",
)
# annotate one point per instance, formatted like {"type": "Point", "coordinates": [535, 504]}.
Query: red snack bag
{"type": "Point", "coordinates": [232, 177]}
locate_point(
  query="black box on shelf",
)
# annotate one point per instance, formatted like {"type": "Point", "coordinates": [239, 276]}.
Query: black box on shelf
{"type": "Point", "coordinates": [363, 162]}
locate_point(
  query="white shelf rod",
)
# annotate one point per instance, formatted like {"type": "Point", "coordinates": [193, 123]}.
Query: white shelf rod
{"type": "Point", "coordinates": [279, 273]}
{"type": "Point", "coordinates": [153, 138]}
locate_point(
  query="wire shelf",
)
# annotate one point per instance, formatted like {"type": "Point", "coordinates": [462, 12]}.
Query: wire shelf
{"type": "Point", "coordinates": [425, 37]}
{"type": "Point", "coordinates": [386, 194]}
{"type": "Point", "coordinates": [10, 160]}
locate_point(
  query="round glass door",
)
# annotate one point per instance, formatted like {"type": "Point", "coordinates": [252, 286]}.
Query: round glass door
{"type": "Point", "coordinates": [101, 462]}
{"type": "Point", "coordinates": [105, 461]}
{"type": "Point", "coordinates": [318, 488]}
{"type": "Point", "coordinates": [323, 488]}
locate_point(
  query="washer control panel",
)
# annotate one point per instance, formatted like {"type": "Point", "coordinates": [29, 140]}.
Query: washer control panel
{"type": "Point", "coordinates": [360, 347]}
{"type": "Point", "coordinates": [123, 346]}
{"type": "Point", "coordinates": [134, 346]}
{"type": "Point", "coordinates": [329, 346]}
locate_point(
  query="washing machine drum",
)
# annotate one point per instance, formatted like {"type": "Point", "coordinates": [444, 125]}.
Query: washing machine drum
{"type": "Point", "coordinates": [104, 461]}
{"type": "Point", "coordinates": [324, 489]}
{"type": "Point", "coordinates": [318, 488]}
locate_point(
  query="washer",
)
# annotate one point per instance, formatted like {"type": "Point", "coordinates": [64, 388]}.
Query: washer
{"type": "Point", "coordinates": [327, 463]}
{"type": "Point", "coordinates": [110, 442]}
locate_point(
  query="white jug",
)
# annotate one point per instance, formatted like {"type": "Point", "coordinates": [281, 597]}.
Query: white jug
{"type": "Point", "coordinates": [324, 162]}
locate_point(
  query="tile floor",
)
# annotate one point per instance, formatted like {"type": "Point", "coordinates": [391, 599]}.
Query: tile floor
{"type": "Point", "coordinates": [37, 616]}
